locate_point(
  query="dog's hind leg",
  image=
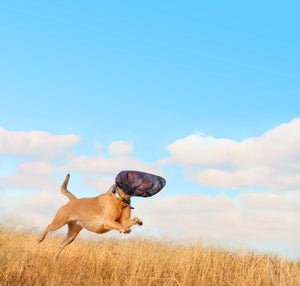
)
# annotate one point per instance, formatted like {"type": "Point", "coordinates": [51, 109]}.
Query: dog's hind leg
{"type": "Point", "coordinates": [59, 220]}
{"type": "Point", "coordinates": [73, 230]}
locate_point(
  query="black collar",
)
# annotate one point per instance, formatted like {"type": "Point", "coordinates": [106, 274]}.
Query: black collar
{"type": "Point", "coordinates": [127, 202]}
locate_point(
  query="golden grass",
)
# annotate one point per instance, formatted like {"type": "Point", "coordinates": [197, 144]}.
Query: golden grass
{"type": "Point", "coordinates": [135, 262]}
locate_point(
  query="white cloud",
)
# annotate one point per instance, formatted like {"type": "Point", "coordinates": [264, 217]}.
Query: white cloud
{"type": "Point", "coordinates": [101, 183]}
{"type": "Point", "coordinates": [103, 165]}
{"type": "Point", "coordinates": [37, 168]}
{"type": "Point", "coordinates": [256, 176]}
{"type": "Point", "coordinates": [271, 161]}
{"type": "Point", "coordinates": [201, 151]}
{"type": "Point", "coordinates": [35, 143]}
{"type": "Point", "coordinates": [25, 181]}
{"type": "Point", "coordinates": [35, 210]}
{"type": "Point", "coordinates": [98, 147]}
{"type": "Point", "coordinates": [41, 151]}
{"type": "Point", "coordinates": [120, 147]}
{"type": "Point", "coordinates": [260, 220]}
{"type": "Point", "coordinates": [288, 202]}
{"type": "Point", "coordinates": [54, 156]}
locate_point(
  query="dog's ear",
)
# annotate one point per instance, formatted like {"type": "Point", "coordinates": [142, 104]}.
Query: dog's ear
{"type": "Point", "coordinates": [119, 180]}
{"type": "Point", "coordinates": [124, 183]}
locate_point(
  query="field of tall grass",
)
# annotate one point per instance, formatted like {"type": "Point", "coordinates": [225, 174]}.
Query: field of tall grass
{"type": "Point", "coordinates": [135, 262]}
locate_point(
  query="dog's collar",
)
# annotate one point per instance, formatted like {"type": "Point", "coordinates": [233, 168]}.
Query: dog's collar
{"type": "Point", "coordinates": [127, 202]}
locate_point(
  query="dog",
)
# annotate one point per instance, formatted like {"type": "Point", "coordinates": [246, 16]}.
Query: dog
{"type": "Point", "coordinates": [108, 211]}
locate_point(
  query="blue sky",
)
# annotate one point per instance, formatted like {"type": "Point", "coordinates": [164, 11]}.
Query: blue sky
{"type": "Point", "coordinates": [164, 79]}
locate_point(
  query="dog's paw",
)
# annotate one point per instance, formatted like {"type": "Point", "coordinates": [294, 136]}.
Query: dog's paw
{"type": "Point", "coordinates": [138, 221]}
{"type": "Point", "coordinates": [127, 230]}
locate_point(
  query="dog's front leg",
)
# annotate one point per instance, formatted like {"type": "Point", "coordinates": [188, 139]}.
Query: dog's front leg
{"type": "Point", "coordinates": [112, 224]}
{"type": "Point", "coordinates": [126, 221]}
{"type": "Point", "coordinates": [111, 220]}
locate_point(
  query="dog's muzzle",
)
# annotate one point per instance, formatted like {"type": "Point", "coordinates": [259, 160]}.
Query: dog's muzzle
{"type": "Point", "coordinates": [140, 184]}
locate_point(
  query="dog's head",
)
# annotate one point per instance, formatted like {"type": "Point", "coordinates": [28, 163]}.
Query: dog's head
{"type": "Point", "coordinates": [140, 184]}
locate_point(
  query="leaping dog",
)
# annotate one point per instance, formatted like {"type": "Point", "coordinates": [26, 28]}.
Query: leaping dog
{"type": "Point", "coordinates": [105, 212]}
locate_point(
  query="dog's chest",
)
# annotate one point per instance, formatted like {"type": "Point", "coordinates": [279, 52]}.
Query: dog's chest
{"type": "Point", "coordinates": [95, 225]}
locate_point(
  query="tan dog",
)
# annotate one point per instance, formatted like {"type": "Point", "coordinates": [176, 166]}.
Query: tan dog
{"type": "Point", "coordinates": [105, 212]}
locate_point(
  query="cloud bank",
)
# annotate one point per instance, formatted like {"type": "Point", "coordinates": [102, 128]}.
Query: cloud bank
{"type": "Point", "coordinates": [262, 221]}
{"type": "Point", "coordinates": [35, 143]}
{"type": "Point", "coordinates": [271, 161]}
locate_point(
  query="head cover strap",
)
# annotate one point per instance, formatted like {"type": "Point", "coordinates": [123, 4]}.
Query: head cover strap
{"type": "Point", "coordinates": [127, 202]}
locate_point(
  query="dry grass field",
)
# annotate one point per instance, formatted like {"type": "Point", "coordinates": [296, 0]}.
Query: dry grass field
{"type": "Point", "coordinates": [135, 262]}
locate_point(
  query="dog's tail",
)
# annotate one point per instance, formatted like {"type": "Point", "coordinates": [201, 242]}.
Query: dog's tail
{"type": "Point", "coordinates": [64, 190]}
